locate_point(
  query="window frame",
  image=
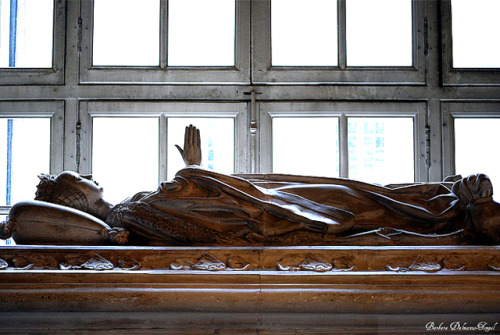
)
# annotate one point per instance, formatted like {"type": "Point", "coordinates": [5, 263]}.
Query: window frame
{"type": "Point", "coordinates": [239, 74]}
{"type": "Point", "coordinates": [344, 110]}
{"type": "Point", "coordinates": [465, 109]}
{"type": "Point", "coordinates": [43, 76]}
{"type": "Point", "coordinates": [37, 109]}
{"type": "Point", "coordinates": [451, 76]}
{"type": "Point", "coordinates": [264, 73]}
{"type": "Point", "coordinates": [162, 111]}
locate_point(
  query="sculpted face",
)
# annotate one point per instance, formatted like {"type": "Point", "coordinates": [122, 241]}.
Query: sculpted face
{"type": "Point", "coordinates": [83, 183]}
{"type": "Point", "coordinates": [89, 188]}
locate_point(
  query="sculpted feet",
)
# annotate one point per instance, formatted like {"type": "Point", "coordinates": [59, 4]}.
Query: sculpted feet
{"type": "Point", "coordinates": [486, 222]}
{"type": "Point", "coordinates": [476, 195]}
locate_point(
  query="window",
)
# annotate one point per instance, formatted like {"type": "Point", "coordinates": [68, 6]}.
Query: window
{"type": "Point", "coordinates": [125, 155]}
{"type": "Point", "coordinates": [201, 33]}
{"type": "Point", "coordinates": [471, 130]}
{"type": "Point", "coordinates": [259, 78]}
{"type": "Point", "coordinates": [339, 42]}
{"type": "Point", "coordinates": [379, 33]}
{"type": "Point", "coordinates": [217, 141]}
{"type": "Point", "coordinates": [153, 41]}
{"type": "Point", "coordinates": [138, 139]}
{"type": "Point", "coordinates": [376, 143]}
{"type": "Point", "coordinates": [22, 159]}
{"type": "Point", "coordinates": [26, 33]}
{"type": "Point", "coordinates": [31, 41]}
{"type": "Point", "coordinates": [28, 133]}
{"type": "Point", "coordinates": [381, 150]}
{"type": "Point", "coordinates": [306, 145]}
{"type": "Point", "coordinates": [304, 33]}
{"type": "Point", "coordinates": [470, 42]}
{"type": "Point", "coordinates": [126, 32]}
{"type": "Point", "coordinates": [475, 33]}
{"type": "Point", "coordinates": [472, 152]}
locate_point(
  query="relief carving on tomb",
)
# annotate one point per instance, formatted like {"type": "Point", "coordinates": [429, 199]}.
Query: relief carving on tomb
{"type": "Point", "coordinates": [350, 260]}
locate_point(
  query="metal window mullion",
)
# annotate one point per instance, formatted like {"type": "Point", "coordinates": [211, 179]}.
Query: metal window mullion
{"type": "Point", "coordinates": [261, 39]}
{"type": "Point", "coordinates": [162, 146]}
{"type": "Point", "coordinates": [8, 182]}
{"type": "Point", "coordinates": [341, 24]}
{"type": "Point", "coordinates": [163, 34]}
{"type": "Point", "coordinates": [4, 210]}
{"type": "Point", "coordinates": [12, 33]}
{"type": "Point", "coordinates": [241, 141]}
{"type": "Point", "coordinates": [57, 124]}
{"type": "Point", "coordinates": [343, 147]}
{"type": "Point", "coordinates": [253, 127]}
{"type": "Point", "coordinates": [421, 148]}
{"type": "Point", "coordinates": [448, 141]}
{"type": "Point", "coordinates": [84, 140]}
{"type": "Point", "coordinates": [264, 158]}
{"type": "Point", "coordinates": [415, 27]}
{"type": "Point", "coordinates": [243, 40]}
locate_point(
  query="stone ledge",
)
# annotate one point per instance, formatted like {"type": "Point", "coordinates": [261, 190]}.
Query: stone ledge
{"type": "Point", "coordinates": [264, 289]}
{"type": "Point", "coordinates": [242, 323]}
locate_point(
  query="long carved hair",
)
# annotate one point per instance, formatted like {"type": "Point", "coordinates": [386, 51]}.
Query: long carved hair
{"type": "Point", "coordinates": [59, 191]}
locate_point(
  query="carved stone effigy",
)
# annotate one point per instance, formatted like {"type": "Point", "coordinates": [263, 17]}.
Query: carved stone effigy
{"type": "Point", "coordinates": [201, 207]}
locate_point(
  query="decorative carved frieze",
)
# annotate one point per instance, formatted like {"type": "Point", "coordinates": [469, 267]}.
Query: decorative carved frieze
{"type": "Point", "coordinates": [321, 259]}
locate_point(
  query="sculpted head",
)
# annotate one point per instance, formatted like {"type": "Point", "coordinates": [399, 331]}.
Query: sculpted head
{"type": "Point", "coordinates": [73, 190]}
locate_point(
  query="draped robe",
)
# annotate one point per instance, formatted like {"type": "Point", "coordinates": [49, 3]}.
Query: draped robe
{"type": "Point", "coordinates": [204, 207]}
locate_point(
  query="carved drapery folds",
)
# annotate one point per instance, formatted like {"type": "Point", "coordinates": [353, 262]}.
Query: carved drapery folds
{"type": "Point", "coordinates": [205, 208]}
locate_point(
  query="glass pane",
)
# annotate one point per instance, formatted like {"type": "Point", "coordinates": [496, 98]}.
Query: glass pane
{"type": "Point", "coordinates": [24, 154]}
{"type": "Point", "coordinates": [125, 156]}
{"type": "Point", "coordinates": [217, 143]}
{"type": "Point", "coordinates": [379, 33]}
{"type": "Point", "coordinates": [381, 150]}
{"type": "Point", "coordinates": [304, 33]}
{"type": "Point", "coordinates": [8, 241]}
{"type": "Point", "coordinates": [26, 33]}
{"type": "Point", "coordinates": [201, 32]}
{"type": "Point", "coordinates": [306, 146]}
{"type": "Point", "coordinates": [126, 32]}
{"type": "Point", "coordinates": [476, 33]}
{"type": "Point", "coordinates": [474, 140]}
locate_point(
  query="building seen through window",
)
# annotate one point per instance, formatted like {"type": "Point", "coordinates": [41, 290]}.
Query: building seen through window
{"type": "Point", "coordinates": [381, 150]}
